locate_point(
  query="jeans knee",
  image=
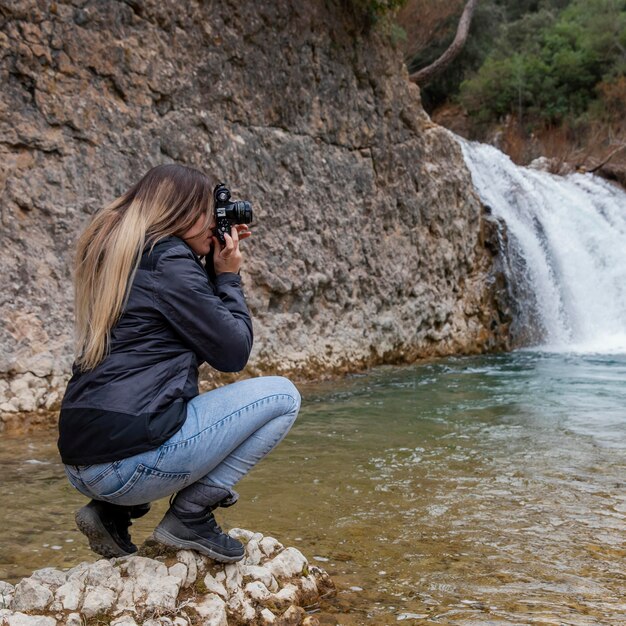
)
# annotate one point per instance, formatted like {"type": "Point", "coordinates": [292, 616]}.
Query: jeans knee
{"type": "Point", "coordinates": [289, 389]}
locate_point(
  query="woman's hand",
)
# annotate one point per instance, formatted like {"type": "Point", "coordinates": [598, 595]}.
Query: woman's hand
{"type": "Point", "coordinates": [227, 258]}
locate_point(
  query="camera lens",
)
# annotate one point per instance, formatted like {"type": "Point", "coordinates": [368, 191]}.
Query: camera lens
{"type": "Point", "coordinates": [242, 212]}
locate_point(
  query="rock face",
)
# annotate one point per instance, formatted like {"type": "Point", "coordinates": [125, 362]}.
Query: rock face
{"type": "Point", "coordinates": [369, 245]}
{"type": "Point", "coordinates": [271, 585]}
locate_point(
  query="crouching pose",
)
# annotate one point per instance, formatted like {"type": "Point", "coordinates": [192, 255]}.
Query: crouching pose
{"type": "Point", "coordinates": [133, 427]}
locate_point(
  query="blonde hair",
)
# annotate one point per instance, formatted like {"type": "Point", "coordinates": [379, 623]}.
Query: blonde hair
{"type": "Point", "coordinates": [168, 200]}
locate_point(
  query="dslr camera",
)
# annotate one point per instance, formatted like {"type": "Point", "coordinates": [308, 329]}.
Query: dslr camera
{"type": "Point", "coordinates": [228, 213]}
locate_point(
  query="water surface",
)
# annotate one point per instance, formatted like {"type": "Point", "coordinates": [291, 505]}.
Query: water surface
{"type": "Point", "coordinates": [466, 491]}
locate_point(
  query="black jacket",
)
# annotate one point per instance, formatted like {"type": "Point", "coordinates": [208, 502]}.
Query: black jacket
{"type": "Point", "coordinates": [176, 317]}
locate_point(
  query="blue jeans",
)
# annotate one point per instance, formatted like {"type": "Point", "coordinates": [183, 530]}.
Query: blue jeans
{"type": "Point", "coordinates": [226, 433]}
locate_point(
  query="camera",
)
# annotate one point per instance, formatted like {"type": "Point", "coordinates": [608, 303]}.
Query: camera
{"type": "Point", "coordinates": [228, 213]}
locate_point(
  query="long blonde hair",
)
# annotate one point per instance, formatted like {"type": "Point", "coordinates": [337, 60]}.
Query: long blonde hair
{"type": "Point", "coordinates": [168, 200]}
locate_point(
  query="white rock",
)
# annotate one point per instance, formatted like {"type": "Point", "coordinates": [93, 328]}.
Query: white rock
{"type": "Point", "coordinates": [241, 606]}
{"type": "Point", "coordinates": [220, 576]}
{"type": "Point", "coordinates": [257, 572]}
{"type": "Point", "coordinates": [103, 574]}
{"type": "Point", "coordinates": [242, 534]}
{"type": "Point", "coordinates": [140, 566]}
{"type": "Point", "coordinates": [162, 593]}
{"type": "Point", "coordinates": [180, 621]}
{"type": "Point", "coordinates": [269, 546]}
{"type": "Point", "coordinates": [97, 600]}
{"type": "Point", "coordinates": [257, 591]}
{"type": "Point", "coordinates": [188, 558]}
{"type": "Point", "coordinates": [214, 586]}
{"type": "Point", "coordinates": [70, 594]}
{"type": "Point", "coordinates": [126, 599]}
{"type": "Point", "coordinates": [20, 619]}
{"type": "Point", "coordinates": [6, 594]}
{"type": "Point", "coordinates": [234, 577]}
{"type": "Point", "coordinates": [253, 553]}
{"type": "Point", "coordinates": [74, 619]}
{"type": "Point", "coordinates": [213, 610]}
{"type": "Point", "coordinates": [50, 577]}
{"type": "Point", "coordinates": [79, 572]}
{"type": "Point", "coordinates": [124, 620]}
{"type": "Point", "coordinates": [293, 615]}
{"type": "Point", "coordinates": [179, 570]}
{"type": "Point", "coordinates": [268, 617]}
{"type": "Point", "coordinates": [308, 584]}
{"type": "Point", "coordinates": [202, 563]}
{"type": "Point", "coordinates": [31, 596]}
{"type": "Point", "coordinates": [290, 562]}
{"type": "Point", "coordinates": [287, 595]}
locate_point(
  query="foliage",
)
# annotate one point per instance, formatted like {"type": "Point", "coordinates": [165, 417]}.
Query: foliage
{"type": "Point", "coordinates": [550, 65]}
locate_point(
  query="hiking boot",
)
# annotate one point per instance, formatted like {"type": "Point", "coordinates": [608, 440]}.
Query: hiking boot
{"type": "Point", "coordinates": [200, 532]}
{"type": "Point", "coordinates": [106, 526]}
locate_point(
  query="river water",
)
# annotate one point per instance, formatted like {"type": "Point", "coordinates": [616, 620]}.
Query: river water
{"type": "Point", "coordinates": [471, 490]}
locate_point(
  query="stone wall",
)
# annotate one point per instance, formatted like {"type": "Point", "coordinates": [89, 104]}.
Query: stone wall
{"type": "Point", "coordinates": [369, 242]}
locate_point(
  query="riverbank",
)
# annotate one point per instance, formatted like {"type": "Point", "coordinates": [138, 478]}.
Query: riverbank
{"type": "Point", "coordinates": [271, 585]}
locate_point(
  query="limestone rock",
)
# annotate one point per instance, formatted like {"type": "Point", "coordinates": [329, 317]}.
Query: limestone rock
{"type": "Point", "coordinates": [213, 586]}
{"type": "Point", "coordinates": [115, 89]}
{"type": "Point", "coordinates": [290, 562]}
{"type": "Point", "coordinates": [213, 611]}
{"type": "Point", "coordinates": [74, 619]}
{"type": "Point", "coordinates": [31, 596]}
{"type": "Point", "coordinates": [50, 577]}
{"type": "Point", "coordinates": [98, 600]}
{"type": "Point", "coordinates": [257, 591]}
{"type": "Point", "coordinates": [139, 590]}
{"type": "Point", "coordinates": [187, 558]}
{"type": "Point", "coordinates": [6, 594]}
{"type": "Point", "coordinates": [269, 546]}
{"type": "Point", "coordinates": [124, 620]}
{"type": "Point", "coordinates": [267, 617]}
{"type": "Point", "coordinates": [70, 595]}
{"type": "Point", "coordinates": [21, 619]}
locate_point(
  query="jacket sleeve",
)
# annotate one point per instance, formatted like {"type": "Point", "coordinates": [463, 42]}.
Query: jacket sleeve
{"type": "Point", "coordinates": [214, 323]}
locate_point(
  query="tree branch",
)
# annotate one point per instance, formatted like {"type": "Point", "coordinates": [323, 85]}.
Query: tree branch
{"type": "Point", "coordinates": [425, 75]}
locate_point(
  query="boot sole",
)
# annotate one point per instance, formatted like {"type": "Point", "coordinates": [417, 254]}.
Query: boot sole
{"type": "Point", "coordinates": [162, 536]}
{"type": "Point", "coordinates": [99, 539]}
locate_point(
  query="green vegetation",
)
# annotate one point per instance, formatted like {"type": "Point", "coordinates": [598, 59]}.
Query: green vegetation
{"type": "Point", "coordinates": [550, 66]}
{"type": "Point", "coordinates": [547, 62]}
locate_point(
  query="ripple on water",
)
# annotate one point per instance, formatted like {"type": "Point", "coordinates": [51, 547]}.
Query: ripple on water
{"type": "Point", "coordinates": [485, 490]}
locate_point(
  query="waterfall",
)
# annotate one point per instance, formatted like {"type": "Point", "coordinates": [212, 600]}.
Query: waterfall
{"type": "Point", "coordinates": [565, 246]}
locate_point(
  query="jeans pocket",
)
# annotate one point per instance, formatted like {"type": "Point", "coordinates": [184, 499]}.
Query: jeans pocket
{"type": "Point", "coordinates": [145, 485]}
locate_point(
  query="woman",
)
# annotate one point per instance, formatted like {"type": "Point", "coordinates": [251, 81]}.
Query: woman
{"type": "Point", "coordinates": [133, 427]}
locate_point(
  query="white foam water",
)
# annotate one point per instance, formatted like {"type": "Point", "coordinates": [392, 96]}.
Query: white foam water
{"type": "Point", "coordinates": [570, 232]}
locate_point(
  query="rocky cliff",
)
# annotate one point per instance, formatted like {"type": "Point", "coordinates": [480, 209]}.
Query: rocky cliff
{"type": "Point", "coordinates": [369, 245]}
